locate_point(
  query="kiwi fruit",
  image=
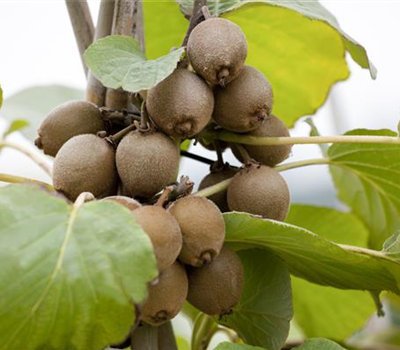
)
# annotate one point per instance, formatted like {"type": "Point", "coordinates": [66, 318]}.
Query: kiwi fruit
{"type": "Point", "coordinates": [202, 227]}
{"type": "Point", "coordinates": [259, 190]}
{"type": "Point", "coordinates": [215, 289]}
{"type": "Point", "coordinates": [164, 232]}
{"type": "Point", "coordinates": [242, 105]}
{"type": "Point", "coordinates": [127, 202]}
{"type": "Point", "coordinates": [146, 163]}
{"type": "Point", "coordinates": [166, 298]}
{"type": "Point", "coordinates": [217, 49]}
{"type": "Point", "coordinates": [214, 177]}
{"type": "Point", "coordinates": [181, 105]}
{"type": "Point", "coordinates": [85, 163]}
{"type": "Point", "coordinates": [268, 155]}
{"type": "Point", "coordinates": [66, 121]}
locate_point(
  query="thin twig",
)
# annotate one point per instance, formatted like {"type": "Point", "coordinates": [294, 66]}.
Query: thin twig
{"type": "Point", "coordinates": [82, 24]}
{"type": "Point", "coordinates": [303, 140]}
{"type": "Point", "coordinates": [32, 155]}
{"type": "Point", "coordinates": [145, 337]}
{"type": "Point", "coordinates": [95, 91]}
{"type": "Point", "coordinates": [166, 337]}
{"type": "Point", "coordinates": [197, 157]}
{"type": "Point", "coordinates": [13, 179]}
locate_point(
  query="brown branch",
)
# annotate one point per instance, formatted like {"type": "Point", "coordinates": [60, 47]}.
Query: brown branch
{"type": "Point", "coordinates": [95, 91]}
{"type": "Point", "coordinates": [196, 18]}
{"type": "Point", "coordinates": [128, 20]}
{"type": "Point", "coordinates": [82, 25]}
{"type": "Point", "coordinates": [145, 337]}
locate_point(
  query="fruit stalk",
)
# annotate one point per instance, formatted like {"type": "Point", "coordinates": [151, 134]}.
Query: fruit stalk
{"type": "Point", "coordinates": [145, 337]}
{"type": "Point", "coordinates": [128, 20]}
{"type": "Point", "coordinates": [196, 17]}
{"type": "Point", "coordinates": [82, 25]}
{"type": "Point", "coordinates": [13, 179]}
{"type": "Point", "coordinates": [35, 158]}
{"type": "Point", "coordinates": [303, 140]}
{"type": "Point", "coordinates": [95, 91]}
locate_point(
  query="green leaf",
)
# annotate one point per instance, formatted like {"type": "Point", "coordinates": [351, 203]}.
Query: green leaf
{"type": "Point", "coordinates": [298, 45]}
{"type": "Point", "coordinates": [319, 344]}
{"type": "Point", "coordinates": [230, 346]}
{"type": "Point", "coordinates": [311, 257]}
{"type": "Point", "coordinates": [1, 96]}
{"type": "Point", "coordinates": [325, 311]}
{"type": "Point", "coordinates": [34, 103]}
{"type": "Point", "coordinates": [367, 180]}
{"type": "Point", "coordinates": [161, 38]}
{"type": "Point", "coordinates": [69, 273]}
{"type": "Point", "coordinates": [118, 62]}
{"type": "Point", "coordinates": [264, 312]}
{"type": "Point", "coordinates": [16, 125]}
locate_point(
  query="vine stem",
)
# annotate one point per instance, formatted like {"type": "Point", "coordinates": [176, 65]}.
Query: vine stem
{"type": "Point", "coordinates": [35, 158]}
{"type": "Point", "coordinates": [303, 140]}
{"type": "Point", "coordinates": [13, 179]}
{"type": "Point", "coordinates": [82, 25]}
{"type": "Point", "coordinates": [223, 185]}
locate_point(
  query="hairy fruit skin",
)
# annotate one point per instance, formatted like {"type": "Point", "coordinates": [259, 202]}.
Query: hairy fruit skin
{"type": "Point", "coordinates": [164, 232]}
{"type": "Point", "coordinates": [217, 49]}
{"type": "Point", "coordinates": [215, 289]}
{"type": "Point", "coordinates": [146, 163]}
{"type": "Point", "coordinates": [268, 155]}
{"type": "Point", "coordinates": [181, 105]}
{"type": "Point", "coordinates": [242, 105]}
{"type": "Point", "coordinates": [85, 163]}
{"type": "Point", "coordinates": [214, 177]}
{"type": "Point", "coordinates": [127, 202]}
{"type": "Point", "coordinates": [202, 227]}
{"type": "Point", "coordinates": [66, 121]}
{"type": "Point", "coordinates": [259, 190]}
{"type": "Point", "coordinates": [167, 297]}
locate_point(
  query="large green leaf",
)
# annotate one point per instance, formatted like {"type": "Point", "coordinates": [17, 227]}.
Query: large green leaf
{"type": "Point", "coordinates": [312, 257]}
{"type": "Point", "coordinates": [161, 38]}
{"type": "Point", "coordinates": [320, 344]}
{"type": "Point", "coordinates": [264, 312]}
{"type": "Point", "coordinates": [230, 346]}
{"type": "Point", "coordinates": [118, 62]}
{"type": "Point", "coordinates": [69, 274]}
{"type": "Point", "coordinates": [298, 45]}
{"type": "Point", "coordinates": [32, 104]}
{"type": "Point", "coordinates": [325, 311]}
{"type": "Point", "coordinates": [367, 177]}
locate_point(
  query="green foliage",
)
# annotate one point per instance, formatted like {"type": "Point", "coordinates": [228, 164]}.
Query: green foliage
{"type": "Point", "coordinates": [312, 257]}
{"type": "Point", "coordinates": [1, 96]}
{"type": "Point", "coordinates": [263, 314]}
{"type": "Point", "coordinates": [32, 104]}
{"type": "Point", "coordinates": [164, 27]}
{"type": "Point", "coordinates": [366, 177]}
{"type": "Point", "coordinates": [298, 45]}
{"type": "Point", "coordinates": [118, 62]}
{"type": "Point", "coordinates": [320, 344]}
{"type": "Point", "coordinates": [325, 311]}
{"type": "Point", "coordinates": [69, 274]}
{"type": "Point", "coordinates": [16, 125]}
{"type": "Point", "coordinates": [230, 346]}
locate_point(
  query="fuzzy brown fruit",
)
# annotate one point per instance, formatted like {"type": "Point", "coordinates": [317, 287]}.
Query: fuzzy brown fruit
{"type": "Point", "coordinates": [215, 289]}
{"type": "Point", "coordinates": [164, 232]}
{"type": "Point", "coordinates": [242, 105]}
{"type": "Point", "coordinates": [66, 121]}
{"type": "Point", "coordinates": [146, 163]}
{"type": "Point", "coordinates": [259, 190]}
{"type": "Point", "coordinates": [268, 155]}
{"type": "Point", "coordinates": [167, 297]}
{"type": "Point", "coordinates": [181, 105]}
{"type": "Point", "coordinates": [202, 227]}
{"type": "Point", "coordinates": [127, 202]}
{"type": "Point", "coordinates": [214, 177]}
{"type": "Point", "coordinates": [217, 49]}
{"type": "Point", "coordinates": [85, 163]}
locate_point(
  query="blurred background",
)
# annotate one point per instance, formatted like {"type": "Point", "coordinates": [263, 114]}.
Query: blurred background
{"type": "Point", "coordinates": [38, 49]}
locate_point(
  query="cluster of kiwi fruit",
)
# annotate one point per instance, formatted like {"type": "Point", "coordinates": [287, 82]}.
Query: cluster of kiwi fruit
{"type": "Point", "coordinates": [132, 167]}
